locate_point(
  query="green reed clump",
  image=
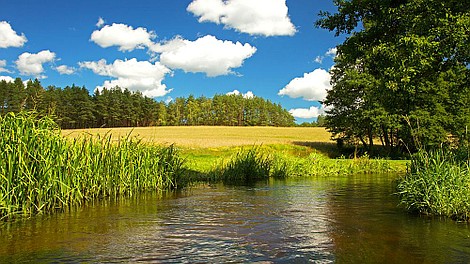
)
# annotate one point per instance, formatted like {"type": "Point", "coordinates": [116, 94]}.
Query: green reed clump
{"type": "Point", "coordinates": [40, 171]}
{"type": "Point", "coordinates": [246, 166]}
{"type": "Point", "coordinates": [437, 183]}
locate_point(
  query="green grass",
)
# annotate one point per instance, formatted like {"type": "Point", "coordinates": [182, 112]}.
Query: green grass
{"type": "Point", "coordinates": [41, 171]}
{"type": "Point", "coordinates": [438, 184]}
{"type": "Point", "coordinates": [244, 165]}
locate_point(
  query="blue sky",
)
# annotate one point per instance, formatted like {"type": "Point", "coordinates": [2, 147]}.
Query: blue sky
{"type": "Point", "coordinates": [173, 48]}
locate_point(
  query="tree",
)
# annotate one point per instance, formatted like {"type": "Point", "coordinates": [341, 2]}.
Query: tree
{"type": "Point", "coordinates": [402, 73]}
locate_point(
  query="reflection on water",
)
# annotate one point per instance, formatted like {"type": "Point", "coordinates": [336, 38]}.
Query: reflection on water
{"type": "Point", "coordinates": [320, 220]}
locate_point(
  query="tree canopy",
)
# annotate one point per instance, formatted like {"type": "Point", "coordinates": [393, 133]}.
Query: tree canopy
{"type": "Point", "coordinates": [402, 74]}
{"type": "Point", "coordinates": [74, 107]}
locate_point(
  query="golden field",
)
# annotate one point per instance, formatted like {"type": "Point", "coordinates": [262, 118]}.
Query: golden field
{"type": "Point", "coordinates": [214, 136]}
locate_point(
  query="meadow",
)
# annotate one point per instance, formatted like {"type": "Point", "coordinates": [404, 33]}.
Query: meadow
{"type": "Point", "coordinates": [209, 148]}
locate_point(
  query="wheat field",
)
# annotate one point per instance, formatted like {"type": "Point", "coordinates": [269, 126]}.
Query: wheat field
{"type": "Point", "coordinates": [213, 136]}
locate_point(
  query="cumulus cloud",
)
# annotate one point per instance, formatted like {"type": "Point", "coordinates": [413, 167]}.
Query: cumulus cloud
{"type": "Point", "coordinates": [247, 95]}
{"type": "Point", "coordinates": [125, 37]}
{"type": "Point", "coordinates": [100, 22]}
{"type": "Point", "coordinates": [207, 54]}
{"type": "Point", "coordinates": [31, 64]}
{"type": "Point", "coordinates": [311, 112]}
{"type": "Point", "coordinates": [312, 86]}
{"type": "Point", "coordinates": [64, 69]}
{"type": "Point", "coordinates": [9, 38]}
{"type": "Point", "coordinates": [255, 17]}
{"type": "Point", "coordinates": [132, 74]}
{"type": "Point", "coordinates": [7, 79]}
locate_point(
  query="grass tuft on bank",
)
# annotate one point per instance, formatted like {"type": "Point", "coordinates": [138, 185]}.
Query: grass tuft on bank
{"type": "Point", "coordinates": [437, 183]}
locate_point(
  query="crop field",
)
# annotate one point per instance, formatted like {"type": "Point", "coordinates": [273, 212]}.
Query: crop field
{"type": "Point", "coordinates": [215, 137]}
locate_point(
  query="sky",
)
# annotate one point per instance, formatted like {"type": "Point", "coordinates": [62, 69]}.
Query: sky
{"type": "Point", "coordinates": [174, 48]}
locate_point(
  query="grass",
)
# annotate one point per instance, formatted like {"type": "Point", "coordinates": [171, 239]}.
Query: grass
{"type": "Point", "coordinates": [438, 184]}
{"type": "Point", "coordinates": [209, 149]}
{"type": "Point", "coordinates": [41, 171]}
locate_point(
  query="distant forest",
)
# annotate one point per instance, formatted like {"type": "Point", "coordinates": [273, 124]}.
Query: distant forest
{"type": "Point", "coordinates": [74, 107]}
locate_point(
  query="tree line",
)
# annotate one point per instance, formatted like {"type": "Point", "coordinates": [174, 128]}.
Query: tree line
{"type": "Point", "coordinates": [402, 75]}
{"type": "Point", "coordinates": [73, 107]}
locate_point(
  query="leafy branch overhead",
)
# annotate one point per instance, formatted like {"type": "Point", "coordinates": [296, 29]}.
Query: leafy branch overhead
{"type": "Point", "coordinates": [402, 74]}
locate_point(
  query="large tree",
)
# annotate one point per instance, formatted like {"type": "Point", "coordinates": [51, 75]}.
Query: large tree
{"type": "Point", "coordinates": [402, 74]}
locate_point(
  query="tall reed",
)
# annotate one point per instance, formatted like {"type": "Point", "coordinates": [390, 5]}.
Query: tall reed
{"type": "Point", "coordinates": [437, 183]}
{"type": "Point", "coordinates": [40, 171]}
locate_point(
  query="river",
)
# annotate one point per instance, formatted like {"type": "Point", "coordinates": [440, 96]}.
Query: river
{"type": "Point", "coordinates": [352, 219]}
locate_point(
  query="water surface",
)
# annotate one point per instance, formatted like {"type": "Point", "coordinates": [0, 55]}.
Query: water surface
{"type": "Point", "coordinates": [351, 219]}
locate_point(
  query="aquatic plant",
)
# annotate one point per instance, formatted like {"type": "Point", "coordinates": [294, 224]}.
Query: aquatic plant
{"type": "Point", "coordinates": [246, 166]}
{"type": "Point", "coordinates": [41, 171]}
{"type": "Point", "coordinates": [437, 183]}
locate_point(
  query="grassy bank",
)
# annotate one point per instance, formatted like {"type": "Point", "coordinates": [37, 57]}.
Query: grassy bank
{"type": "Point", "coordinates": [41, 171]}
{"type": "Point", "coordinates": [438, 184]}
{"type": "Point", "coordinates": [247, 164]}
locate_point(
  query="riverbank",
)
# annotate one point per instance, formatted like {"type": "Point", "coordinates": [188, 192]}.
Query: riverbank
{"type": "Point", "coordinates": [43, 171]}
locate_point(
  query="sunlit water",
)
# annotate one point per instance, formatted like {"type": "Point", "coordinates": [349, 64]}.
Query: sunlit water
{"type": "Point", "coordinates": [321, 220]}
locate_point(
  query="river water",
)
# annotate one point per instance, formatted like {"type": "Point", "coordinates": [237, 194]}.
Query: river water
{"type": "Point", "coordinates": [352, 219]}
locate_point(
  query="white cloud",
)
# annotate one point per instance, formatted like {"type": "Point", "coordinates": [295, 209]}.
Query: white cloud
{"type": "Point", "coordinates": [311, 112]}
{"type": "Point", "coordinates": [247, 95]}
{"type": "Point", "coordinates": [64, 69]}
{"type": "Point", "coordinates": [332, 52]}
{"type": "Point", "coordinates": [6, 78]}
{"type": "Point", "coordinates": [9, 38]}
{"type": "Point", "coordinates": [206, 54]}
{"type": "Point", "coordinates": [3, 63]}
{"type": "Point", "coordinates": [31, 64]}
{"type": "Point", "coordinates": [125, 37]}
{"type": "Point", "coordinates": [312, 86]}
{"type": "Point", "coordinates": [255, 17]}
{"type": "Point", "coordinates": [132, 74]}
{"type": "Point", "coordinates": [100, 22]}
{"type": "Point", "coordinates": [319, 59]}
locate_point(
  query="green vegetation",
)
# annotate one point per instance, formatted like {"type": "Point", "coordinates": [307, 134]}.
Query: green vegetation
{"type": "Point", "coordinates": [437, 183]}
{"type": "Point", "coordinates": [403, 65]}
{"type": "Point", "coordinates": [275, 161]}
{"type": "Point", "coordinates": [41, 171]}
{"type": "Point", "coordinates": [73, 107]}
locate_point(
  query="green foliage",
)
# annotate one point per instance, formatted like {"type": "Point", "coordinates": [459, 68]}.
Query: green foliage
{"type": "Point", "coordinates": [73, 107]}
{"type": "Point", "coordinates": [401, 74]}
{"type": "Point", "coordinates": [40, 171]}
{"type": "Point", "coordinates": [437, 183]}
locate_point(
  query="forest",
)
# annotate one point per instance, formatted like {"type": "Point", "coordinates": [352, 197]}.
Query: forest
{"type": "Point", "coordinates": [73, 107]}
